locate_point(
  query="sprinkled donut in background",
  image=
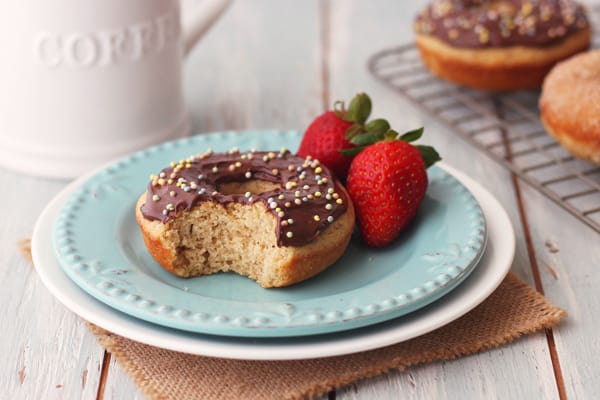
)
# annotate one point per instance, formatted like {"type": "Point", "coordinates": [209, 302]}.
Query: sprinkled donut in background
{"type": "Point", "coordinates": [272, 216]}
{"type": "Point", "coordinates": [499, 45]}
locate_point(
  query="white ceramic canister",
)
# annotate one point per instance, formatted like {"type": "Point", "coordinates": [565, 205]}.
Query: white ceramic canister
{"type": "Point", "coordinates": [83, 82]}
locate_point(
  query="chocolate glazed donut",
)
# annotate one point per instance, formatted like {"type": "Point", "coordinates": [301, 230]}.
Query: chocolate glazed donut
{"type": "Point", "coordinates": [272, 216]}
{"type": "Point", "coordinates": [302, 190]}
{"type": "Point", "coordinates": [500, 44]}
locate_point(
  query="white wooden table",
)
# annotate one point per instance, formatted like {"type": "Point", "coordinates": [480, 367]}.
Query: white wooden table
{"type": "Point", "coordinates": [277, 64]}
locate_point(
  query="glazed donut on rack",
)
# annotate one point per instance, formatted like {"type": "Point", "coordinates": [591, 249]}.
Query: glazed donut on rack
{"type": "Point", "coordinates": [499, 45]}
{"type": "Point", "coordinates": [272, 216]}
{"type": "Point", "coordinates": [570, 105]}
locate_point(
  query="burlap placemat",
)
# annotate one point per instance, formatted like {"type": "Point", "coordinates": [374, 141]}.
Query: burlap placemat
{"type": "Point", "coordinates": [512, 310]}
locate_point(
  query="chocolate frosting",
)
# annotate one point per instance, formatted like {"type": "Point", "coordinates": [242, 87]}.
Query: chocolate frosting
{"type": "Point", "coordinates": [501, 23]}
{"type": "Point", "coordinates": [305, 201]}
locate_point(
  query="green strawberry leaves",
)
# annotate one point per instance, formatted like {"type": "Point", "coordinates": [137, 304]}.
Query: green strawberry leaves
{"type": "Point", "coordinates": [413, 135]}
{"type": "Point", "coordinates": [429, 154]}
{"type": "Point", "coordinates": [358, 111]}
{"type": "Point", "coordinates": [363, 134]}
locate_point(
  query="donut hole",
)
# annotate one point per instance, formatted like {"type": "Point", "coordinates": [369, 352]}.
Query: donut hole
{"type": "Point", "coordinates": [254, 186]}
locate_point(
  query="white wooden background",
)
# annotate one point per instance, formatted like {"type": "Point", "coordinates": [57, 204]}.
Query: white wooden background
{"type": "Point", "coordinates": [278, 63]}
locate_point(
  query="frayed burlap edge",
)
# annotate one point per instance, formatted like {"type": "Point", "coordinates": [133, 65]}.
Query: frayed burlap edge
{"type": "Point", "coordinates": [513, 310]}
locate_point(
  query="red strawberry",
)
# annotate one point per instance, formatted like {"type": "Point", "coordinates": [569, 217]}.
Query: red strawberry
{"type": "Point", "coordinates": [323, 139]}
{"type": "Point", "coordinates": [387, 182]}
{"type": "Point", "coordinates": [332, 131]}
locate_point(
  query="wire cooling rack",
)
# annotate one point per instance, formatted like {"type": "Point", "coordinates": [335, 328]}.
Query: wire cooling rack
{"type": "Point", "coordinates": [506, 126]}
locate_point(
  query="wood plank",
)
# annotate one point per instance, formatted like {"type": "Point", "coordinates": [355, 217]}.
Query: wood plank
{"type": "Point", "coordinates": [358, 30]}
{"type": "Point", "coordinates": [568, 255]}
{"type": "Point", "coordinates": [47, 350]}
{"type": "Point", "coordinates": [259, 67]}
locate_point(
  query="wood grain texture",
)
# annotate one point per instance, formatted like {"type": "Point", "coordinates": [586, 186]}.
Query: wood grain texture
{"type": "Point", "coordinates": [47, 351]}
{"type": "Point", "coordinates": [261, 66]}
{"type": "Point", "coordinates": [358, 30]}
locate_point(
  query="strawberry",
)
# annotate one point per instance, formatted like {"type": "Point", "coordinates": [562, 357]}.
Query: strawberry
{"type": "Point", "coordinates": [332, 131]}
{"type": "Point", "coordinates": [387, 182]}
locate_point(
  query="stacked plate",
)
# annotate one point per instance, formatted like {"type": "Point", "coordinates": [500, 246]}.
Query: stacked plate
{"type": "Point", "coordinates": [90, 254]}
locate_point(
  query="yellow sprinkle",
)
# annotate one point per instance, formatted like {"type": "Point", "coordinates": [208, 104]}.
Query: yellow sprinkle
{"type": "Point", "coordinates": [318, 170]}
{"type": "Point", "coordinates": [317, 218]}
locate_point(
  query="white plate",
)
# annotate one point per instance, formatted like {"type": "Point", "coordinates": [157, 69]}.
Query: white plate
{"type": "Point", "coordinates": [483, 281]}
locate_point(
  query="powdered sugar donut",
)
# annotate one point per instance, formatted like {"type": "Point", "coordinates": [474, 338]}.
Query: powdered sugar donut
{"type": "Point", "coordinates": [570, 105]}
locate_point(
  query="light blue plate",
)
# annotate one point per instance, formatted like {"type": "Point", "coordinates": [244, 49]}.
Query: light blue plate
{"type": "Point", "coordinates": [99, 246]}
